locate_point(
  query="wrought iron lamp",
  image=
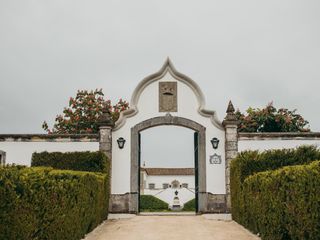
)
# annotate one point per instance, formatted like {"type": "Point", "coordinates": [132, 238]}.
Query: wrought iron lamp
{"type": "Point", "coordinates": [121, 141]}
{"type": "Point", "coordinates": [215, 142]}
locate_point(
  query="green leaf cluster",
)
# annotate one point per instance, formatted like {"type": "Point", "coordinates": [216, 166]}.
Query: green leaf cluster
{"type": "Point", "coordinates": [262, 190]}
{"type": "Point", "coordinates": [285, 203]}
{"type": "Point", "coordinates": [190, 205]}
{"type": "Point", "coordinates": [78, 161]}
{"type": "Point", "coordinates": [151, 203]}
{"type": "Point", "coordinates": [43, 203]}
{"type": "Point", "coordinates": [270, 119]}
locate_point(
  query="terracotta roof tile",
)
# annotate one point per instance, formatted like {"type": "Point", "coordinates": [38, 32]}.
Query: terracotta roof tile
{"type": "Point", "coordinates": [169, 171]}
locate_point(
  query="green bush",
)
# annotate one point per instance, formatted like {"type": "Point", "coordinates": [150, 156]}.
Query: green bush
{"type": "Point", "coordinates": [42, 203]}
{"type": "Point", "coordinates": [190, 205]}
{"type": "Point", "coordinates": [78, 161]}
{"type": "Point", "coordinates": [250, 162]}
{"type": "Point", "coordinates": [151, 203]}
{"type": "Point", "coordinates": [284, 203]}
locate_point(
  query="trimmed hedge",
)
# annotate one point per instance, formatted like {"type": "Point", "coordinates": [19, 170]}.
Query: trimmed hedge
{"type": "Point", "coordinates": [250, 162]}
{"type": "Point", "coordinates": [151, 203]}
{"type": "Point", "coordinates": [42, 203]}
{"type": "Point", "coordinates": [190, 205]}
{"type": "Point", "coordinates": [78, 161]}
{"type": "Point", "coordinates": [285, 203]}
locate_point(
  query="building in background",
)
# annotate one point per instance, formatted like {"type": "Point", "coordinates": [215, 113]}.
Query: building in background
{"type": "Point", "coordinates": [176, 186]}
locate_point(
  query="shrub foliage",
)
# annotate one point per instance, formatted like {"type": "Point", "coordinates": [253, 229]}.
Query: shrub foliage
{"type": "Point", "coordinates": [42, 203]}
{"type": "Point", "coordinates": [83, 113]}
{"type": "Point", "coordinates": [151, 203]}
{"type": "Point", "coordinates": [190, 205]}
{"type": "Point", "coordinates": [250, 163]}
{"type": "Point", "coordinates": [285, 203]}
{"type": "Point", "coordinates": [270, 119]}
{"type": "Point", "coordinates": [78, 161]}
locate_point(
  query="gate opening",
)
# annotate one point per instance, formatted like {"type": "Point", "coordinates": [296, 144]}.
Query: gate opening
{"type": "Point", "coordinates": [168, 169]}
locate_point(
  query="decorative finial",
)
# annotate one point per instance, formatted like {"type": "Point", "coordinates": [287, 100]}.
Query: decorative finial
{"type": "Point", "coordinates": [105, 119]}
{"type": "Point", "coordinates": [230, 108]}
{"type": "Point", "coordinates": [231, 116]}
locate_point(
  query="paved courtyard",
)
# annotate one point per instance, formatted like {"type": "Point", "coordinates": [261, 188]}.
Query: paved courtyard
{"type": "Point", "coordinates": [170, 228]}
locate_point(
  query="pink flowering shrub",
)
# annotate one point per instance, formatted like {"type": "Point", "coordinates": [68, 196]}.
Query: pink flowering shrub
{"type": "Point", "coordinates": [83, 113]}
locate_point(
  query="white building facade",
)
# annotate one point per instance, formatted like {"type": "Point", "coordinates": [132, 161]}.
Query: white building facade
{"type": "Point", "coordinates": [168, 184]}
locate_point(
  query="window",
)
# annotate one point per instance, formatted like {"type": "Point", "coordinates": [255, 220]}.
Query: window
{"type": "Point", "coordinates": [185, 185]}
{"type": "Point", "coordinates": [165, 185]}
{"type": "Point", "coordinates": [2, 157]}
{"type": "Point", "coordinates": [151, 186]}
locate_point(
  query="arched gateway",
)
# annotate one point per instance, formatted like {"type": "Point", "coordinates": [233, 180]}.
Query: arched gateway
{"type": "Point", "coordinates": [171, 98]}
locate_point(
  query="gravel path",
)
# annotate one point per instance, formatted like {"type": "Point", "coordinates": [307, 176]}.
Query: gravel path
{"type": "Point", "coordinates": [170, 228]}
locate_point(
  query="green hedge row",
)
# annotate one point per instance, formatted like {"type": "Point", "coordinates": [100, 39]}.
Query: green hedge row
{"type": "Point", "coordinates": [284, 203]}
{"type": "Point", "coordinates": [78, 161]}
{"type": "Point", "coordinates": [250, 162]}
{"type": "Point", "coordinates": [42, 203]}
{"type": "Point", "coordinates": [190, 205]}
{"type": "Point", "coordinates": [151, 203]}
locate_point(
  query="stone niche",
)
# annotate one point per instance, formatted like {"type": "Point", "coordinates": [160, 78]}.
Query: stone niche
{"type": "Point", "coordinates": [168, 97]}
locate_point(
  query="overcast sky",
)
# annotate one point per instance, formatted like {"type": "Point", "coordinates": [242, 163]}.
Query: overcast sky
{"type": "Point", "coordinates": [250, 51]}
{"type": "Point", "coordinates": [167, 146]}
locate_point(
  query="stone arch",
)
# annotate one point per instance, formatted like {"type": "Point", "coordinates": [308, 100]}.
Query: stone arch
{"type": "Point", "coordinates": [188, 110]}
{"type": "Point", "coordinates": [175, 121]}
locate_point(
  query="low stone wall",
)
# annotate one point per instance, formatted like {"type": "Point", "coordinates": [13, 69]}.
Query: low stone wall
{"type": "Point", "coordinates": [49, 137]}
{"type": "Point", "coordinates": [19, 147]}
{"type": "Point", "coordinates": [268, 141]}
{"type": "Point", "coordinates": [119, 203]}
{"type": "Point", "coordinates": [217, 203]}
{"type": "Point", "coordinates": [279, 136]}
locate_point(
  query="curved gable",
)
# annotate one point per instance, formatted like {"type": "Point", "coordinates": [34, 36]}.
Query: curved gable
{"type": "Point", "coordinates": [167, 68]}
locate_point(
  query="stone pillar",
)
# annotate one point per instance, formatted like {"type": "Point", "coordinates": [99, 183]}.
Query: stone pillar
{"type": "Point", "coordinates": [106, 124]}
{"type": "Point", "coordinates": [230, 124]}
{"type": "Point", "coordinates": [105, 133]}
{"type": "Point", "coordinates": [105, 140]}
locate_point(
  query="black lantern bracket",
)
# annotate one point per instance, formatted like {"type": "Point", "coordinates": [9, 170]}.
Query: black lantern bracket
{"type": "Point", "coordinates": [215, 142]}
{"type": "Point", "coordinates": [121, 141]}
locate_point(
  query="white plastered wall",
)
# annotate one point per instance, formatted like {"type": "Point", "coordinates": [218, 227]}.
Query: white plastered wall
{"type": "Point", "coordinates": [159, 180]}
{"type": "Point", "coordinates": [168, 194]}
{"type": "Point", "coordinates": [262, 145]}
{"type": "Point", "coordinates": [148, 107]}
{"type": "Point", "coordinates": [20, 152]}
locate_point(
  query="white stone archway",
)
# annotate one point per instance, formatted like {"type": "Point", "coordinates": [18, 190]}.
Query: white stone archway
{"type": "Point", "coordinates": [163, 98]}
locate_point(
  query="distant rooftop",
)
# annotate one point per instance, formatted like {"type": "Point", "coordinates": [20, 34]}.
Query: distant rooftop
{"type": "Point", "coordinates": [168, 171]}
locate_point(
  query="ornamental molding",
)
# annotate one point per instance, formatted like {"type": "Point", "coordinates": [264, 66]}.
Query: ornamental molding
{"type": "Point", "coordinates": [167, 68]}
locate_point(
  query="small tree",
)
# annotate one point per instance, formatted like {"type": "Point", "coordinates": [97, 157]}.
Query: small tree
{"type": "Point", "coordinates": [83, 113]}
{"type": "Point", "coordinates": [270, 119]}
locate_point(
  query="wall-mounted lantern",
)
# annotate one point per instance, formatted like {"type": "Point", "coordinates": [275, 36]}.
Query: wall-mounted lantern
{"type": "Point", "coordinates": [121, 141]}
{"type": "Point", "coordinates": [215, 142]}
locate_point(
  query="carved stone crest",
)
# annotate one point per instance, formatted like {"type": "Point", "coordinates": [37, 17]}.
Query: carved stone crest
{"type": "Point", "coordinates": [215, 159]}
{"type": "Point", "coordinates": [168, 97]}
